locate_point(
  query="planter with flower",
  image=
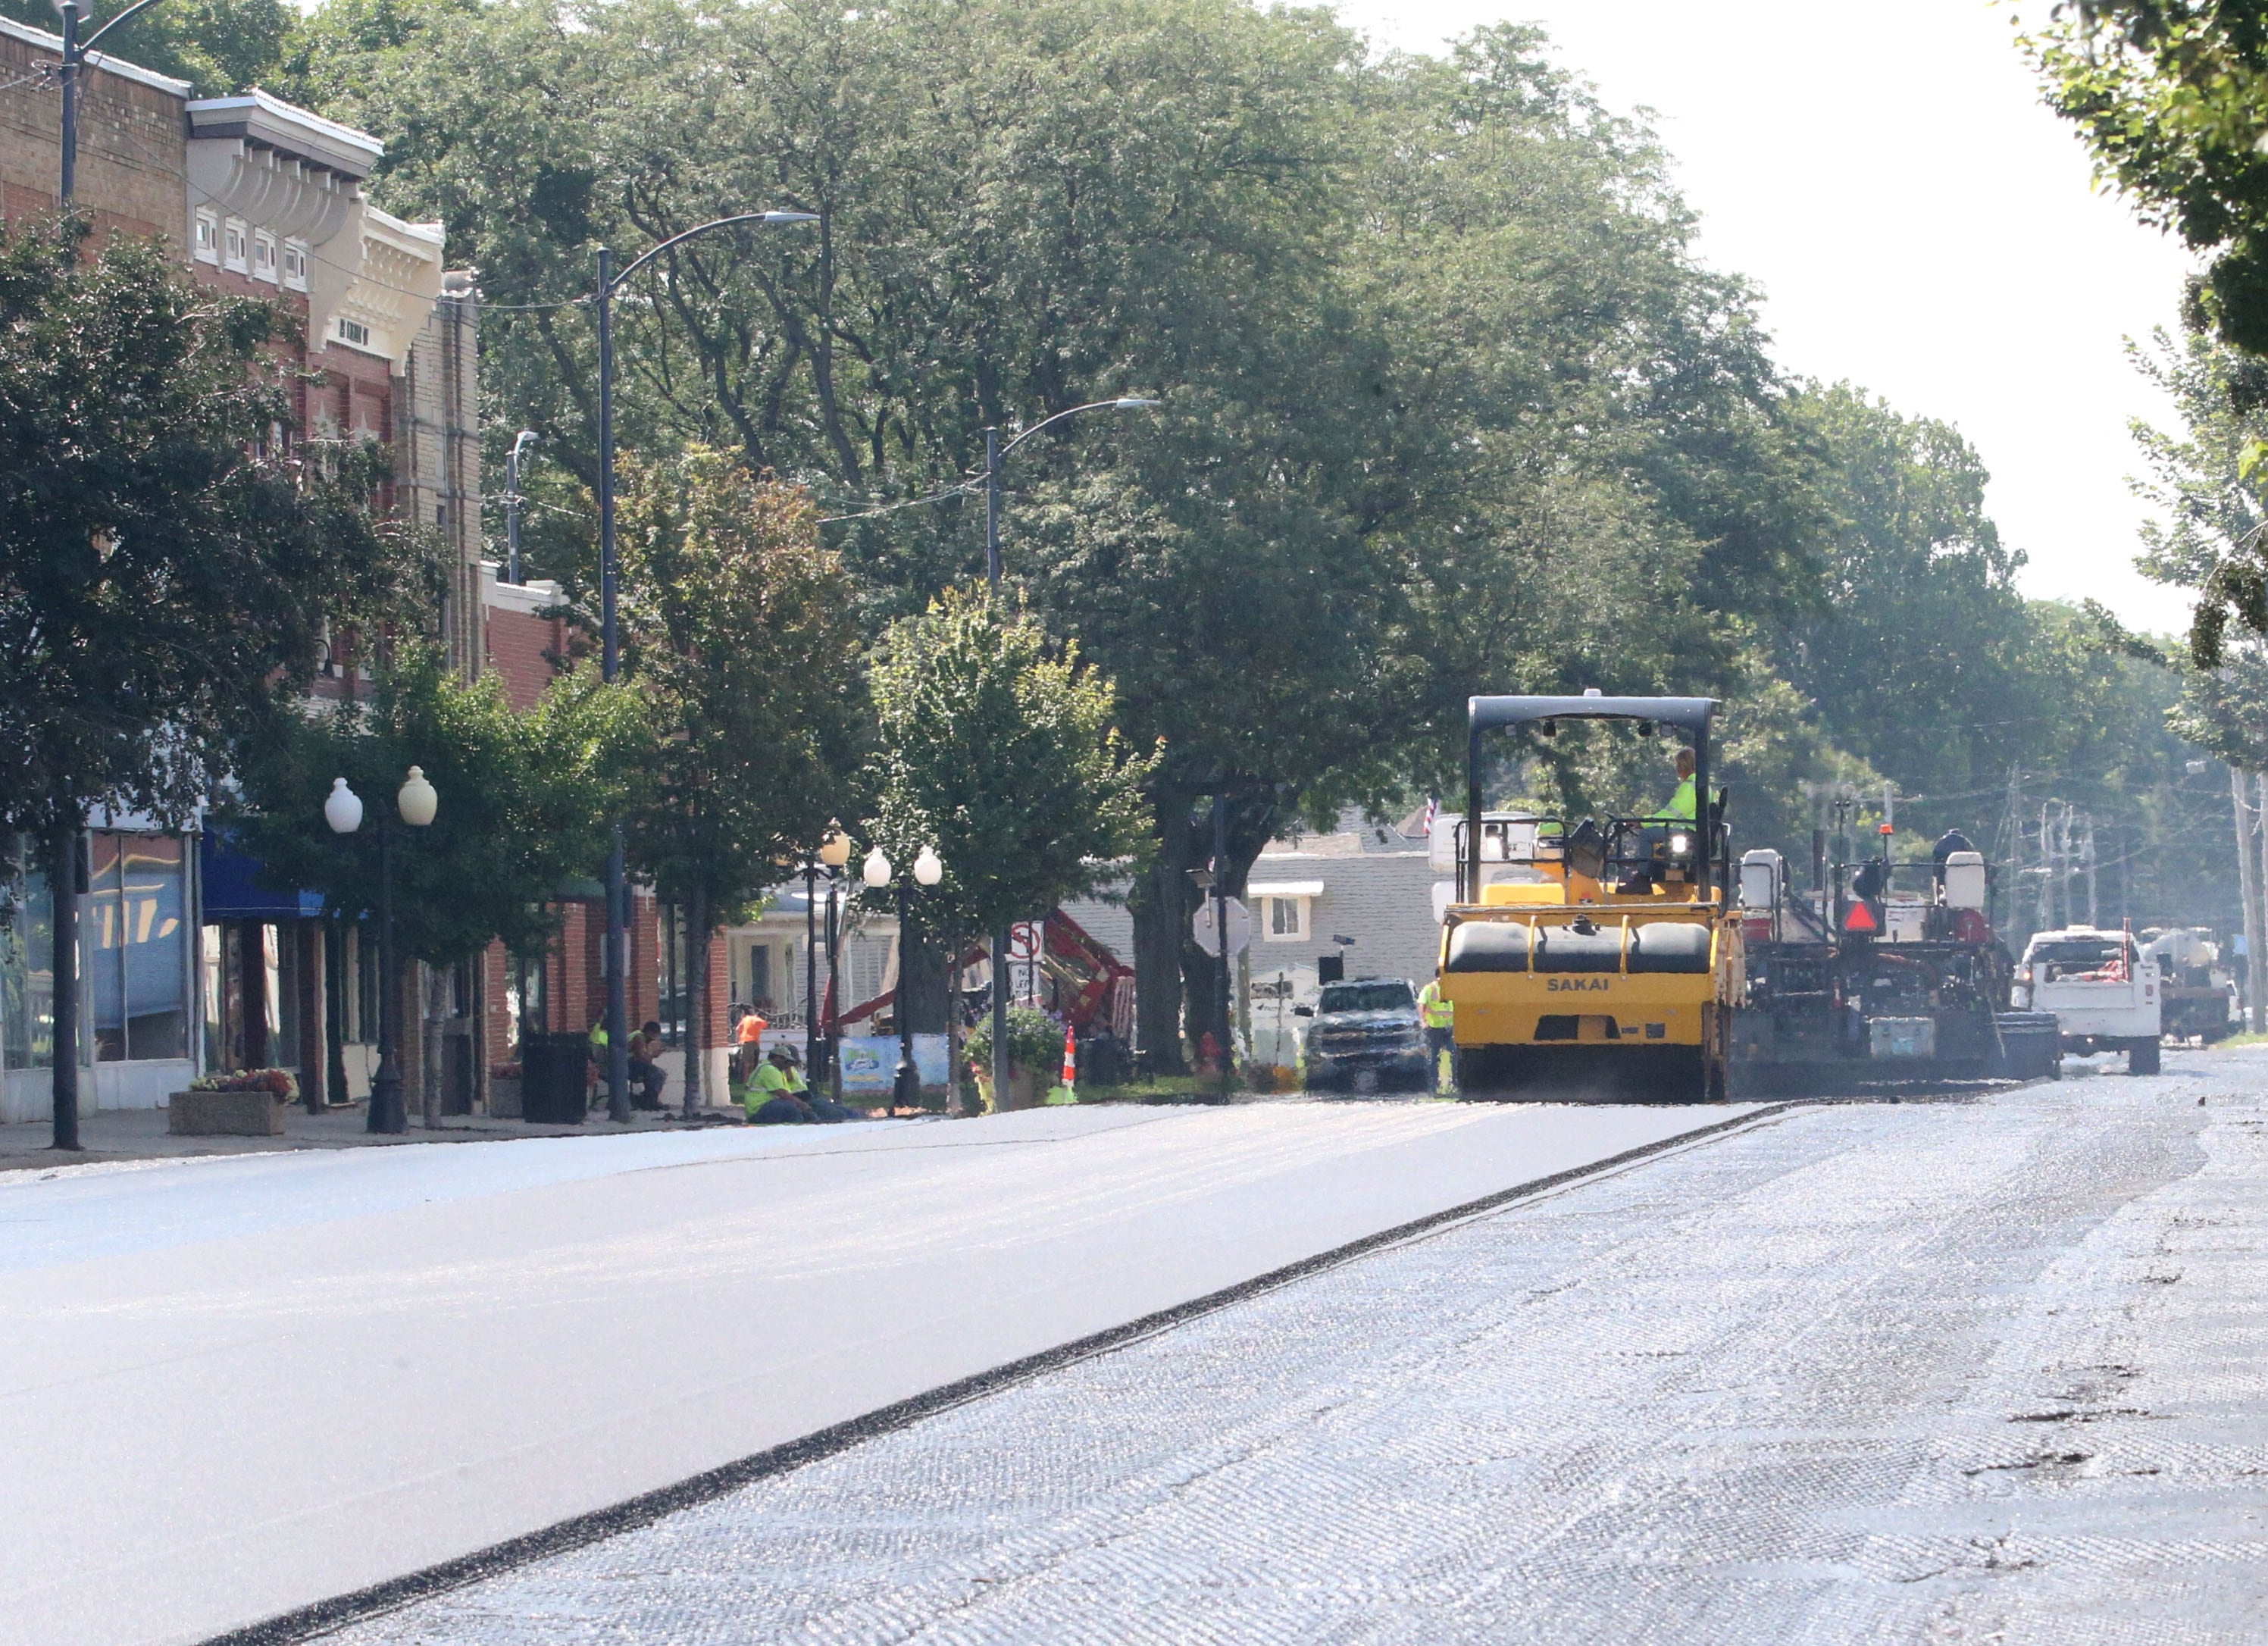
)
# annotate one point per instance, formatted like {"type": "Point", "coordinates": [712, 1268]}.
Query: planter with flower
{"type": "Point", "coordinates": [245, 1102]}
{"type": "Point", "coordinates": [1036, 1040]}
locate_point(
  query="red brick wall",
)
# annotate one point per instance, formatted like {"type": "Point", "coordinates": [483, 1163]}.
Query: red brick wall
{"type": "Point", "coordinates": [519, 647]}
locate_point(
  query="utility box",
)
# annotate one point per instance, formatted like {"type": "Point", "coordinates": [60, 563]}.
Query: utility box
{"type": "Point", "coordinates": [1891, 1038]}
{"type": "Point", "coordinates": [555, 1080]}
{"type": "Point", "coordinates": [1964, 881]}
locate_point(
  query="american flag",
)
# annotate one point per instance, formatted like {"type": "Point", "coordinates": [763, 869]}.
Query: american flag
{"type": "Point", "coordinates": [1432, 809]}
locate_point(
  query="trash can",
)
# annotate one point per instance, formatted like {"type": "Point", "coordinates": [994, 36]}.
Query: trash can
{"type": "Point", "coordinates": [554, 1079]}
{"type": "Point", "coordinates": [2031, 1045]}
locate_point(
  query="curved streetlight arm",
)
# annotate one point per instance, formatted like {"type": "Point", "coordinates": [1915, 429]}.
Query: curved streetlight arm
{"type": "Point", "coordinates": [771, 219]}
{"type": "Point", "coordinates": [88, 44]}
{"type": "Point", "coordinates": [1129, 403]}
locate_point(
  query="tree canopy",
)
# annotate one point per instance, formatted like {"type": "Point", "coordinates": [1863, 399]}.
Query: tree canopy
{"type": "Point", "coordinates": [1449, 402]}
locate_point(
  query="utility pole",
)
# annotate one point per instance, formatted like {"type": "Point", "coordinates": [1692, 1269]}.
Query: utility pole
{"type": "Point", "coordinates": [2088, 852]}
{"type": "Point", "coordinates": [2247, 881]}
{"type": "Point", "coordinates": [511, 501]}
{"type": "Point", "coordinates": [2047, 871]}
{"type": "Point", "coordinates": [1220, 926]}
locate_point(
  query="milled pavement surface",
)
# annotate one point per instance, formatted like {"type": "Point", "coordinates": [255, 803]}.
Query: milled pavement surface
{"type": "Point", "coordinates": [232, 1387]}
{"type": "Point", "coordinates": [1994, 1370]}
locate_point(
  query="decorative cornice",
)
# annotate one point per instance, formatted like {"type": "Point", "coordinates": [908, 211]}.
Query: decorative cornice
{"type": "Point", "coordinates": [274, 123]}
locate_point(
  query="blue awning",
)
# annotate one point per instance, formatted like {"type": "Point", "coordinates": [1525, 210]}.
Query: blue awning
{"type": "Point", "coordinates": [236, 887]}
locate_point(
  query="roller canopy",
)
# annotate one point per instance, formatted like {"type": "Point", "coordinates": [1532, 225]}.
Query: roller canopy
{"type": "Point", "coordinates": [1689, 714]}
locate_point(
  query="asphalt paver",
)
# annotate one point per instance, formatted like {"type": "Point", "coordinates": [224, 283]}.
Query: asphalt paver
{"type": "Point", "coordinates": [1991, 1370]}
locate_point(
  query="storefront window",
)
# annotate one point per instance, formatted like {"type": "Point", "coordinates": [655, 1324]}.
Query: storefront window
{"type": "Point", "coordinates": [27, 978]}
{"type": "Point", "coordinates": [136, 990]}
{"type": "Point", "coordinates": [153, 914]}
{"type": "Point", "coordinates": [102, 945]}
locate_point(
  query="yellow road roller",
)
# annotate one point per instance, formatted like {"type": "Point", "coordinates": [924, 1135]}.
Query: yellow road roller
{"type": "Point", "coordinates": [1593, 956]}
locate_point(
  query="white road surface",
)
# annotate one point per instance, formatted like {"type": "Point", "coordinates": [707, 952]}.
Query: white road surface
{"type": "Point", "coordinates": [1930, 1373]}
{"type": "Point", "coordinates": [233, 1387]}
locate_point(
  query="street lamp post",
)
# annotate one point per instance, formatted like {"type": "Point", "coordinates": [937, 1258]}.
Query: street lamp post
{"type": "Point", "coordinates": [618, 1040]}
{"type": "Point", "coordinates": [995, 455]}
{"type": "Point", "coordinates": [905, 1092]}
{"type": "Point", "coordinates": [75, 51]}
{"type": "Point", "coordinates": [511, 500]}
{"type": "Point", "coordinates": [834, 852]}
{"type": "Point", "coordinates": [415, 803]}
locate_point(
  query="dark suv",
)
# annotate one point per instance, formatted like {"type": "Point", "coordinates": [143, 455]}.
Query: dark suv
{"type": "Point", "coordinates": [1366, 1038]}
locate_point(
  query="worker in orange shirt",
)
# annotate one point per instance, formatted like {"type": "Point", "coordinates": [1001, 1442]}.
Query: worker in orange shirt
{"type": "Point", "coordinates": [752, 1027]}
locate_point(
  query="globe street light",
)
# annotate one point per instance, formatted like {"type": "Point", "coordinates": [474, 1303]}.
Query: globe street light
{"type": "Point", "coordinates": [415, 803]}
{"type": "Point", "coordinates": [618, 1039]}
{"type": "Point", "coordinates": [927, 871]}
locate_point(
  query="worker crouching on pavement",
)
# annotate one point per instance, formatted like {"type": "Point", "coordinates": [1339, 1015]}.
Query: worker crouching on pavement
{"type": "Point", "coordinates": [776, 1092]}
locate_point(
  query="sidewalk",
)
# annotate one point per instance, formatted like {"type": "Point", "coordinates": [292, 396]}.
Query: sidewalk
{"type": "Point", "coordinates": [116, 1134]}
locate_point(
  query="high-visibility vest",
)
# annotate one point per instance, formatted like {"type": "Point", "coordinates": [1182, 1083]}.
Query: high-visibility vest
{"type": "Point", "coordinates": [1681, 803]}
{"type": "Point", "coordinates": [1436, 1012]}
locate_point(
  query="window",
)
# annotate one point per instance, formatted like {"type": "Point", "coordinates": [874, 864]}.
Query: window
{"type": "Point", "coordinates": [206, 241]}
{"type": "Point", "coordinates": [354, 332]}
{"type": "Point", "coordinates": [235, 245]}
{"type": "Point", "coordinates": [1287, 919]}
{"type": "Point", "coordinates": [295, 264]}
{"type": "Point", "coordinates": [263, 256]}
{"type": "Point", "coordinates": [28, 980]}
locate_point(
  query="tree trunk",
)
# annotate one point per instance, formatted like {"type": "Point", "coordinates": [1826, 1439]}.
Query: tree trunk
{"type": "Point", "coordinates": [952, 975]}
{"type": "Point", "coordinates": [312, 1054]}
{"type": "Point", "coordinates": [2256, 947]}
{"type": "Point", "coordinates": [437, 1011]}
{"type": "Point", "coordinates": [2247, 881]}
{"type": "Point", "coordinates": [1162, 901]}
{"type": "Point", "coordinates": [696, 998]}
{"type": "Point", "coordinates": [62, 887]}
{"type": "Point", "coordinates": [922, 979]}
{"type": "Point", "coordinates": [334, 1019]}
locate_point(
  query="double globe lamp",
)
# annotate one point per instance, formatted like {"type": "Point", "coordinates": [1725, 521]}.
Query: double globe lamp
{"type": "Point", "coordinates": [415, 802]}
{"type": "Point", "coordinates": [877, 872]}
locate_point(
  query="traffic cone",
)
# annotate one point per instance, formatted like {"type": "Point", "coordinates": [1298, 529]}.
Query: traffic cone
{"type": "Point", "coordinates": [1065, 1090]}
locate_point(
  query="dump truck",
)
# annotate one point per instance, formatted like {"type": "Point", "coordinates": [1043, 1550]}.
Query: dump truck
{"type": "Point", "coordinates": [2196, 993]}
{"type": "Point", "coordinates": [1594, 953]}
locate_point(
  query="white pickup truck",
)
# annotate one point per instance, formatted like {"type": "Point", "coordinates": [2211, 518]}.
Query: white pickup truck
{"type": "Point", "coordinates": [2102, 989]}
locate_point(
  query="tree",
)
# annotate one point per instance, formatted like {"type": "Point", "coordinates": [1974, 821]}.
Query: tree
{"type": "Point", "coordinates": [166, 564]}
{"type": "Point", "coordinates": [220, 46]}
{"type": "Point", "coordinates": [742, 642]}
{"type": "Point", "coordinates": [2171, 96]}
{"type": "Point", "coordinates": [523, 798]}
{"type": "Point", "coordinates": [1001, 750]}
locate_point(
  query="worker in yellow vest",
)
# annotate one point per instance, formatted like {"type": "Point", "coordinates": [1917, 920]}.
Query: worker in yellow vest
{"type": "Point", "coordinates": [1439, 1016]}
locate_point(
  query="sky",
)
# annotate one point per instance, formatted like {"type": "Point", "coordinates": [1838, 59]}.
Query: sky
{"type": "Point", "coordinates": [1918, 224]}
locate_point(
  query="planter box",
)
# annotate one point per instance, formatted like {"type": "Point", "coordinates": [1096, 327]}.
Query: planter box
{"type": "Point", "coordinates": [225, 1114]}
{"type": "Point", "coordinates": [503, 1097]}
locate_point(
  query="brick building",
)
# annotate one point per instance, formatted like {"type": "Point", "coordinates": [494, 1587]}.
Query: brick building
{"type": "Point", "coordinates": [189, 961]}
